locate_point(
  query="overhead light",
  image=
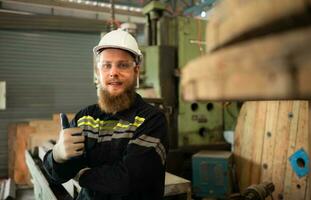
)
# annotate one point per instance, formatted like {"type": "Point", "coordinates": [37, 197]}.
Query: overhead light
{"type": "Point", "coordinates": [107, 5]}
{"type": "Point", "coordinates": [203, 14]}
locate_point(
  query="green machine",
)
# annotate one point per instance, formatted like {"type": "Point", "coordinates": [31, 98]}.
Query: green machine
{"type": "Point", "coordinates": [172, 43]}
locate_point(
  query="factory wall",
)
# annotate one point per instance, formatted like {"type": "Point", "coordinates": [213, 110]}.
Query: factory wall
{"type": "Point", "coordinates": [46, 72]}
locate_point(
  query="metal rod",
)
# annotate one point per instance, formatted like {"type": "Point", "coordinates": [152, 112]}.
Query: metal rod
{"type": "Point", "coordinates": [112, 25]}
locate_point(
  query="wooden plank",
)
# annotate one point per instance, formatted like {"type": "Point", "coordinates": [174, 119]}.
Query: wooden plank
{"type": "Point", "coordinates": [44, 130]}
{"type": "Point", "coordinates": [43, 126]}
{"type": "Point", "coordinates": [236, 20]}
{"type": "Point", "coordinates": [247, 139]}
{"type": "Point", "coordinates": [11, 146]}
{"type": "Point", "coordinates": [280, 151]}
{"type": "Point", "coordinates": [269, 133]}
{"type": "Point", "coordinates": [21, 174]}
{"type": "Point", "coordinates": [264, 68]}
{"type": "Point", "coordinates": [298, 185]}
{"type": "Point", "coordinates": [258, 140]}
{"type": "Point", "coordinates": [35, 140]}
{"type": "Point", "coordinates": [175, 185]}
{"type": "Point", "coordinates": [291, 150]}
{"type": "Point", "coordinates": [238, 135]}
{"type": "Point", "coordinates": [250, 124]}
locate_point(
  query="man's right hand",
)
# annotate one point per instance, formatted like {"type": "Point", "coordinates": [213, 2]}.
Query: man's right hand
{"type": "Point", "coordinates": [70, 142]}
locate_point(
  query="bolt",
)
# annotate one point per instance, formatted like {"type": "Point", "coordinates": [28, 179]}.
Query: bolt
{"type": "Point", "coordinates": [269, 134]}
{"type": "Point", "coordinates": [290, 115]}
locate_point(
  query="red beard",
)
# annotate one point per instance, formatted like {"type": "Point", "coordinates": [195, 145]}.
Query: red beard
{"type": "Point", "coordinates": [114, 104]}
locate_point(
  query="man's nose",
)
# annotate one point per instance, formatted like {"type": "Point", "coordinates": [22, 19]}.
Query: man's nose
{"type": "Point", "coordinates": [114, 71]}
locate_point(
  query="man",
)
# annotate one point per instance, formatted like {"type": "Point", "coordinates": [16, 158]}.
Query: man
{"type": "Point", "coordinates": [122, 149]}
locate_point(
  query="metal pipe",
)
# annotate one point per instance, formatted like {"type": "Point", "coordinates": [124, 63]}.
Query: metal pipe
{"type": "Point", "coordinates": [112, 25]}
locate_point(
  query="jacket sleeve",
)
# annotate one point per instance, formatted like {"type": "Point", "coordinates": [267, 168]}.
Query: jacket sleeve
{"type": "Point", "coordinates": [62, 172]}
{"type": "Point", "coordinates": [142, 166]}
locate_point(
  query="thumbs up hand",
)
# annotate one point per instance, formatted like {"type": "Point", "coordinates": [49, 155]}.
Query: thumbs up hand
{"type": "Point", "coordinates": [70, 142]}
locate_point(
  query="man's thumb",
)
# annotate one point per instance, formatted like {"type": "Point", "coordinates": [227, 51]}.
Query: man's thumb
{"type": "Point", "coordinates": [64, 121]}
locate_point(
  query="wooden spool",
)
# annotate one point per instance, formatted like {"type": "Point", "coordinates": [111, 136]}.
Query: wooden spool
{"type": "Point", "coordinates": [266, 135]}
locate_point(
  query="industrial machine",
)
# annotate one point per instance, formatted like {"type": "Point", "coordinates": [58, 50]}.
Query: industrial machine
{"type": "Point", "coordinates": [255, 192]}
{"type": "Point", "coordinates": [214, 177]}
{"type": "Point", "coordinates": [171, 43]}
{"type": "Point", "coordinates": [212, 174]}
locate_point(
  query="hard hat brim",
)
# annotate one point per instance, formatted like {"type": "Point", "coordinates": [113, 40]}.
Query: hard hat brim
{"type": "Point", "coordinates": [98, 49]}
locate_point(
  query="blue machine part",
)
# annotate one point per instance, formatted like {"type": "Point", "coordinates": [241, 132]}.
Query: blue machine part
{"type": "Point", "coordinates": [300, 162]}
{"type": "Point", "coordinates": [211, 174]}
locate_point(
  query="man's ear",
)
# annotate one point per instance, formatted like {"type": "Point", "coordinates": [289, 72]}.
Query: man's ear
{"type": "Point", "coordinates": [96, 76]}
{"type": "Point", "coordinates": [137, 72]}
{"type": "Point", "coordinates": [137, 69]}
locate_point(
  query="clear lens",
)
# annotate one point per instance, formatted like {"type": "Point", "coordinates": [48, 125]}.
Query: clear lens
{"type": "Point", "coordinates": [123, 66]}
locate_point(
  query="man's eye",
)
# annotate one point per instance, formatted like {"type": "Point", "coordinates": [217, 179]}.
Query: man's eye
{"type": "Point", "coordinates": [124, 65]}
{"type": "Point", "coordinates": [106, 65]}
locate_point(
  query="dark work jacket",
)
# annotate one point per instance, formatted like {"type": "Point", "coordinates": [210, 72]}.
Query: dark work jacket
{"type": "Point", "coordinates": [125, 152]}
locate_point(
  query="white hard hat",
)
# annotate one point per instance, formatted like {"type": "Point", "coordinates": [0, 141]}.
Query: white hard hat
{"type": "Point", "coordinates": [121, 40]}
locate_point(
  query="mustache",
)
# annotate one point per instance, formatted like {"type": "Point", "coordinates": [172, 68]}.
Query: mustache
{"type": "Point", "coordinates": [113, 80]}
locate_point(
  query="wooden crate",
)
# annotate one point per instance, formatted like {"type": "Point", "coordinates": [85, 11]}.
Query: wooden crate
{"type": "Point", "coordinates": [28, 135]}
{"type": "Point", "coordinates": [267, 134]}
{"type": "Point", "coordinates": [17, 143]}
